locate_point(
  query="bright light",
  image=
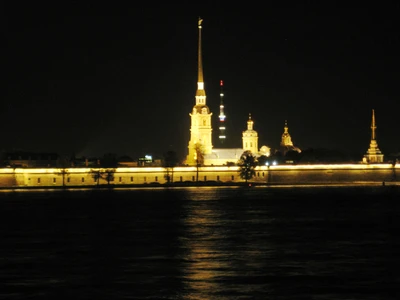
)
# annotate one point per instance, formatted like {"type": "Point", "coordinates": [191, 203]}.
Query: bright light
{"type": "Point", "coordinates": [274, 163]}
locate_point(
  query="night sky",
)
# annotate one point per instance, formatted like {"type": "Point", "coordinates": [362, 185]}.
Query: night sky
{"type": "Point", "coordinates": [90, 79]}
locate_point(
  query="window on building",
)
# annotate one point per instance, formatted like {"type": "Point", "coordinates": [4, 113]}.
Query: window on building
{"type": "Point", "coordinates": [68, 179]}
{"type": "Point", "coordinates": [233, 177]}
{"type": "Point", "coordinates": [180, 178]}
{"type": "Point", "coordinates": [83, 179]}
{"type": "Point", "coordinates": [217, 178]}
{"type": "Point", "coordinates": [54, 180]}
{"type": "Point", "coordinates": [120, 179]}
{"type": "Point", "coordinates": [156, 179]}
{"type": "Point", "coordinates": [205, 178]}
{"type": "Point", "coordinates": [38, 180]}
{"type": "Point", "coordinates": [192, 178]}
{"type": "Point", "coordinates": [131, 178]}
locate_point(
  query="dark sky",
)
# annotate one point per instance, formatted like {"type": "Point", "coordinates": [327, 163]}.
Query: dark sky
{"type": "Point", "coordinates": [117, 77]}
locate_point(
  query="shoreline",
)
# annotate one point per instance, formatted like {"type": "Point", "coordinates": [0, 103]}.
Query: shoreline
{"type": "Point", "coordinates": [206, 185]}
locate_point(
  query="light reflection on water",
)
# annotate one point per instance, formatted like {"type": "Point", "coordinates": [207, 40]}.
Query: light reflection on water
{"type": "Point", "coordinates": [200, 243]}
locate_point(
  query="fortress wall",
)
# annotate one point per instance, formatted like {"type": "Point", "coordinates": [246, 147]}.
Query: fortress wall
{"type": "Point", "coordinates": [52, 179]}
{"type": "Point", "coordinates": [7, 180]}
{"type": "Point", "coordinates": [328, 176]}
{"type": "Point", "coordinates": [150, 175]}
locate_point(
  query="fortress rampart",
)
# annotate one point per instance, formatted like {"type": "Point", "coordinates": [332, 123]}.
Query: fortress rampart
{"type": "Point", "coordinates": [285, 174]}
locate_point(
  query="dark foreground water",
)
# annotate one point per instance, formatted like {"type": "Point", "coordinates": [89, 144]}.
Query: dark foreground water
{"type": "Point", "coordinates": [201, 243]}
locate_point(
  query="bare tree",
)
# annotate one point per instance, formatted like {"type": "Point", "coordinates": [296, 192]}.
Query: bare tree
{"type": "Point", "coordinates": [96, 175]}
{"type": "Point", "coordinates": [106, 174]}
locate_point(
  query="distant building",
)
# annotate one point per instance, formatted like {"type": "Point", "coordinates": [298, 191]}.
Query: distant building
{"type": "Point", "coordinates": [22, 159]}
{"type": "Point", "coordinates": [374, 154]}
{"type": "Point", "coordinates": [127, 162]}
{"type": "Point", "coordinates": [149, 161]}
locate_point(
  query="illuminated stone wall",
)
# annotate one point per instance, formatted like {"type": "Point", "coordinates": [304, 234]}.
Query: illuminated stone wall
{"type": "Point", "coordinates": [302, 174]}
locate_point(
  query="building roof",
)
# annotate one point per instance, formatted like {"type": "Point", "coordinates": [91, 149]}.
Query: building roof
{"type": "Point", "coordinates": [225, 153]}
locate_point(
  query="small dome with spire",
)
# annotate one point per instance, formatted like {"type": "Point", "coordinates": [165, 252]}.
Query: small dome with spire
{"type": "Point", "coordinates": [286, 141]}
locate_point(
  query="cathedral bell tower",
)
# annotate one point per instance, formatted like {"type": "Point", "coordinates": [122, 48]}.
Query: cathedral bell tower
{"type": "Point", "coordinates": [200, 129]}
{"type": "Point", "coordinates": [250, 137]}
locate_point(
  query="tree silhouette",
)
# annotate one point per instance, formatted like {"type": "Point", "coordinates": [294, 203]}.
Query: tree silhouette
{"type": "Point", "coordinates": [107, 174]}
{"type": "Point", "coordinates": [198, 148]}
{"type": "Point", "coordinates": [108, 165]}
{"type": "Point", "coordinates": [96, 175]}
{"type": "Point", "coordinates": [247, 164]}
{"type": "Point", "coordinates": [262, 160]}
{"type": "Point", "coordinates": [63, 163]}
{"type": "Point", "coordinates": [109, 160]}
{"type": "Point", "coordinates": [170, 161]}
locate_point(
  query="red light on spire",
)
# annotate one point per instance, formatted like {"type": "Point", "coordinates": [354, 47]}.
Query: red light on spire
{"type": "Point", "coordinates": [221, 83]}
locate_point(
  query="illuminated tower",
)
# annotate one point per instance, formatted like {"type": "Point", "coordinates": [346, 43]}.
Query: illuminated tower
{"type": "Point", "coordinates": [373, 155]}
{"type": "Point", "coordinates": [200, 128]}
{"type": "Point", "coordinates": [222, 117]}
{"type": "Point", "coordinates": [250, 137]}
{"type": "Point", "coordinates": [286, 139]}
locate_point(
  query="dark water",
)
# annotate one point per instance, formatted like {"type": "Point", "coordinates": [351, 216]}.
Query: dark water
{"type": "Point", "coordinates": [201, 243]}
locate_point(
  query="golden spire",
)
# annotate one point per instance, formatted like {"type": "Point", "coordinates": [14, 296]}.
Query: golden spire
{"type": "Point", "coordinates": [374, 154]}
{"type": "Point", "coordinates": [200, 79]}
{"type": "Point", "coordinates": [373, 126]}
